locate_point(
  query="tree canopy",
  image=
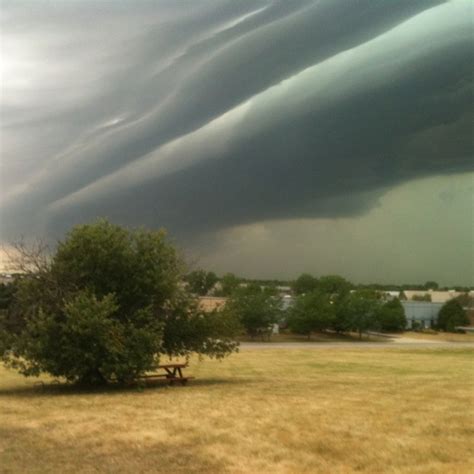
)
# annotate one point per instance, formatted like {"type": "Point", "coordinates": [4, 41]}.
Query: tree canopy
{"type": "Point", "coordinates": [229, 283]}
{"type": "Point", "coordinates": [311, 312]}
{"type": "Point", "coordinates": [256, 308]}
{"type": "Point", "coordinates": [431, 285]}
{"type": "Point", "coordinates": [105, 306]}
{"type": "Point", "coordinates": [334, 285]}
{"type": "Point", "coordinates": [452, 315]}
{"type": "Point", "coordinates": [359, 311]}
{"type": "Point", "coordinates": [391, 316]}
{"type": "Point", "coordinates": [201, 282]}
{"type": "Point", "coordinates": [305, 283]}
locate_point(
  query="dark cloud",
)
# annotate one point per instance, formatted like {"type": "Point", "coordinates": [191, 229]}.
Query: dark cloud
{"type": "Point", "coordinates": [204, 115]}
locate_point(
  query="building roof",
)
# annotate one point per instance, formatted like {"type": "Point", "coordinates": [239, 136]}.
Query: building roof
{"type": "Point", "coordinates": [436, 296]}
{"type": "Point", "coordinates": [211, 303]}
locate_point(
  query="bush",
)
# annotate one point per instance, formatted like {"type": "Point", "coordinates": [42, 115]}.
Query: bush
{"type": "Point", "coordinates": [105, 307]}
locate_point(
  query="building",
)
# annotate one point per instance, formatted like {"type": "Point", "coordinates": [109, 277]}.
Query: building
{"type": "Point", "coordinates": [390, 295]}
{"type": "Point", "coordinates": [211, 303]}
{"type": "Point", "coordinates": [423, 314]}
{"type": "Point", "coordinates": [431, 295]}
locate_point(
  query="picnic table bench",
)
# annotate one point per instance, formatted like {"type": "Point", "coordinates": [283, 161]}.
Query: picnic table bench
{"type": "Point", "coordinates": [171, 372]}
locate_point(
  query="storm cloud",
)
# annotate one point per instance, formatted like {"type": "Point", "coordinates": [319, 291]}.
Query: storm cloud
{"type": "Point", "coordinates": [205, 115]}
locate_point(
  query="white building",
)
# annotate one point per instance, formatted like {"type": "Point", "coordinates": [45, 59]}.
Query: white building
{"type": "Point", "coordinates": [421, 313]}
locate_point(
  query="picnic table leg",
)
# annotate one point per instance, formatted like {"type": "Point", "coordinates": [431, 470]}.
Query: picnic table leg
{"type": "Point", "coordinates": [169, 375]}
{"type": "Point", "coordinates": [183, 380]}
{"type": "Point", "coordinates": [174, 375]}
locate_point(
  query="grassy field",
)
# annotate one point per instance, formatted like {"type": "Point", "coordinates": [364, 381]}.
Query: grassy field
{"type": "Point", "coordinates": [434, 336]}
{"type": "Point", "coordinates": [280, 411]}
{"type": "Point", "coordinates": [286, 336]}
{"type": "Point", "coordinates": [440, 336]}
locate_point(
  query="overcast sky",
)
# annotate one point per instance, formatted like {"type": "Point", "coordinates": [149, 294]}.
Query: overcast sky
{"type": "Point", "coordinates": [268, 137]}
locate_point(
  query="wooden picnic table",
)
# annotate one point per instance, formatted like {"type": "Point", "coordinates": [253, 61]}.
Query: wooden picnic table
{"type": "Point", "coordinates": [171, 372]}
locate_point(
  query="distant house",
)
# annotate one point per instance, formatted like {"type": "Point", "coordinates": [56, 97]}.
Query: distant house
{"type": "Point", "coordinates": [211, 303]}
{"type": "Point", "coordinates": [423, 314]}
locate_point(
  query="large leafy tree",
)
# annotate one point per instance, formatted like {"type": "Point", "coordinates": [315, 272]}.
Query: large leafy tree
{"type": "Point", "coordinates": [466, 300]}
{"type": "Point", "coordinates": [255, 308]}
{"type": "Point", "coordinates": [305, 283]}
{"type": "Point", "coordinates": [105, 306]}
{"type": "Point", "coordinates": [311, 312]}
{"type": "Point", "coordinates": [391, 316]}
{"type": "Point", "coordinates": [229, 283]}
{"type": "Point", "coordinates": [452, 315]}
{"type": "Point", "coordinates": [338, 291]}
{"type": "Point", "coordinates": [201, 282]}
{"type": "Point", "coordinates": [334, 285]}
{"type": "Point", "coordinates": [360, 310]}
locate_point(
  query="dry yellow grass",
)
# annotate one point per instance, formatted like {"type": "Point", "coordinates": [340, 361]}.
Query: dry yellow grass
{"type": "Point", "coordinates": [440, 336]}
{"type": "Point", "coordinates": [280, 411]}
{"type": "Point", "coordinates": [286, 336]}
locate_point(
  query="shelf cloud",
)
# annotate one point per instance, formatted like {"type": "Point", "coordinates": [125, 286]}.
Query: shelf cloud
{"type": "Point", "coordinates": [201, 116]}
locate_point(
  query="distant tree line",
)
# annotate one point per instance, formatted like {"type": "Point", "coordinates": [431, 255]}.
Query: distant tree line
{"type": "Point", "coordinates": [328, 303]}
{"type": "Point", "coordinates": [429, 285]}
{"type": "Point", "coordinates": [332, 303]}
{"type": "Point", "coordinates": [203, 283]}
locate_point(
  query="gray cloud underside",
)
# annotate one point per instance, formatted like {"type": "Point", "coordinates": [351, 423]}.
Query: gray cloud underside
{"type": "Point", "coordinates": [222, 113]}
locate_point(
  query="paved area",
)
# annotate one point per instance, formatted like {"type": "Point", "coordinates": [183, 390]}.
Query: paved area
{"type": "Point", "coordinates": [412, 340]}
{"type": "Point", "coordinates": [390, 344]}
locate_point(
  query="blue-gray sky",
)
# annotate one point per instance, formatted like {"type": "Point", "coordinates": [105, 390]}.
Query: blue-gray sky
{"type": "Point", "coordinates": [269, 137]}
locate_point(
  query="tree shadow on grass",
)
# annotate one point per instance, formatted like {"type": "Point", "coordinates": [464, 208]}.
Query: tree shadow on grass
{"type": "Point", "coordinates": [47, 389]}
{"type": "Point", "coordinates": [206, 382]}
